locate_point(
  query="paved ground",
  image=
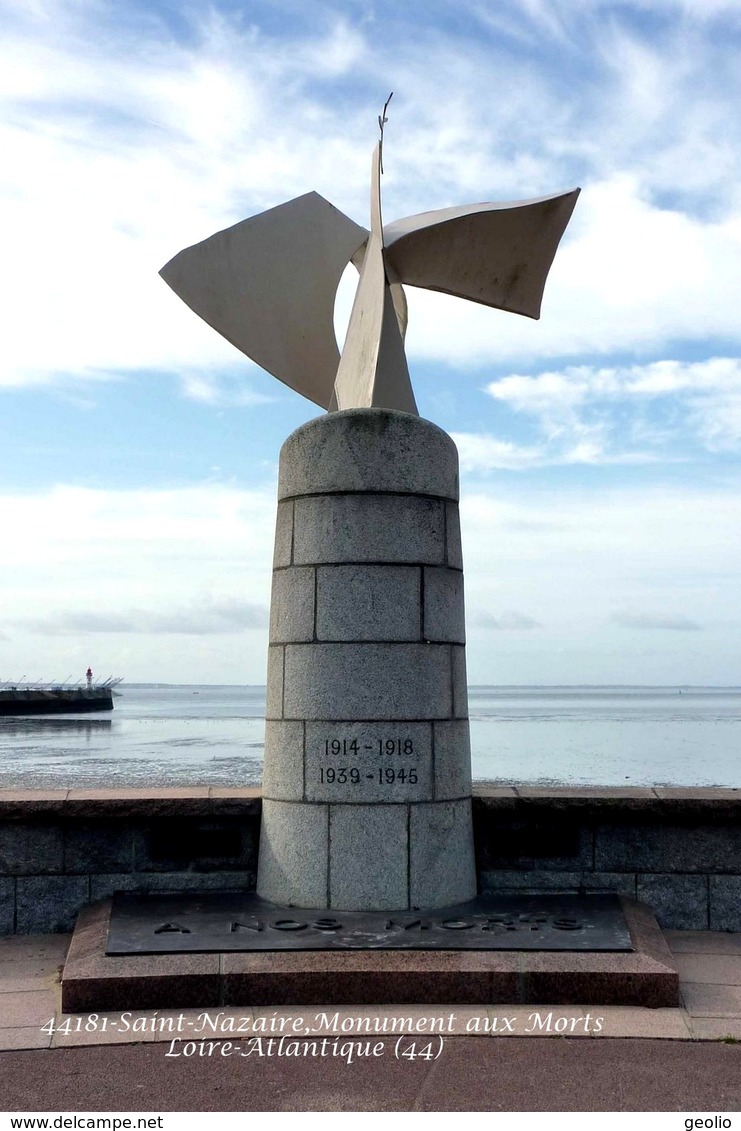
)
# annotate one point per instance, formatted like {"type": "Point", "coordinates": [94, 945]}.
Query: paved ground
{"type": "Point", "coordinates": [473, 1074]}
{"type": "Point", "coordinates": [546, 1058]}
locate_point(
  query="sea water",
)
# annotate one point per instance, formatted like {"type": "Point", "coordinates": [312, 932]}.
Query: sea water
{"type": "Point", "coordinates": [205, 735]}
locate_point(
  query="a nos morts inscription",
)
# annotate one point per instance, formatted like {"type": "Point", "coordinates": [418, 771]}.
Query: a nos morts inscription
{"type": "Point", "coordinates": [231, 921]}
{"type": "Point", "coordinates": [369, 762]}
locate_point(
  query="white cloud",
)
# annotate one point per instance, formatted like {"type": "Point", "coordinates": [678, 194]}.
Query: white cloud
{"type": "Point", "coordinates": [115, 160]}
{"type": "Point", "coordinates": [203, 618]}
{"type": "Point", "coordinates": [587, 414]}
{"type": "Point", "coordinates": [676, 623]}
{"type": "Point", "coordinates": [124, 574]}
{"type": "Point", "coordinates": [220, 390]}
{"type": "Point", "coordinates": [576, 384]}
{"type": "Point", "coordinates": [510, 621]}
{"type": "Point", "coordinates": [479, 452]}
{"type": "Point", "coordinates": [122, 145]}
{"type": "Point", "coordinates": [172, 585]}
{"type": "Point", "coordinates": [579, 443]}
{"type": "Point", "coordinates": [579, 560]}
{"type": "Point", "coordinates": [668, 536]}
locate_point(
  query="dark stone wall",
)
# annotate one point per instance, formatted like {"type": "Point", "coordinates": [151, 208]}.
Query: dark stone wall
{"type": "Point", "coordinates": [677, 850]}
{"type": "Point", "coordinates": [61, 852]}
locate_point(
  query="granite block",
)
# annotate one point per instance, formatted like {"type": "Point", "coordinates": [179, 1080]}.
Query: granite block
{"type": "Point", "coordinates": [93, 980]}
{"type": "Point", "coordinates": [635, 801]}
{"type": "Point", "coordinates": [283, 552]}
{"type": "Point", "coordinates": [370, 750]}
{"type": "Point", "coordinates": [283, 771]}
{"type": "Point", "coordinates": [368, 857]}
{"type": "Point", "coordinates": [368, 449]}
{"type": "Point", "coordinates": [274, 696]}
{"type": "Point", "coordinates": [444, 618]}
{"type": "Point", "coordinates": [103, 886]}
{"type": "Point", "coordinates": [452, 759]}
{"type": "Point", "coordinates": [459, 684]}
{"type": "Point", "coordinates": [680, 902]}
{"type": "Point", "coordinates": [490, 800]}
{"type": "Point", "coordinates": [652, 989]}
{"type": "Point", "coordinates": [292, 605]}
{"type": "Point", "coordinates": [98, 846]}
{"type": "Point", "coordinates": [725, 903]}
{"type": "Point", "coordinates": [537, 841]}
{"type": "Point", "coordinates": [442, 868]}
{"type": "Point", "coordinates": [367, 978]}
{"type": "Point", "coordinates": [453, 547]}
{"type": "Point", "coordinates": [501, 880]}
{"type": "Point", "coordinates": [368, 528]}
{"type": "Point", "coordinates": [187, 801]}
{"type": "Point", "coordinates": [294, 844]}
{"type": "Point", "coordinates": [367, 681]}
{"type": "Point", "coordinates": [45, 904]}
{"type": "Point", "coordinates": [621, 882]}
{"type": "Point", "coordinates": [7, 905]}
{"type": "Point", "coordinates": [721, 801]}
{"type": "Point", "coordinates": [656, 847]}
{"type": "Point", "coordinates": [236, 801]}
{"type": "Point", "coordinates": [179, 843]}
{"type": "Point", "coordinates": [31, 849]}
{"type": "Point", "coordinates": [204, 845]}
{"type": "Point", "coordinates": [368, 602]}
{"type": "Point", "coordinates": [31, 802]}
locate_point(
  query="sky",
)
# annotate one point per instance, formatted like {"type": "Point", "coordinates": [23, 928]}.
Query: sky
{"type": "Point", "coordinates": [599, 446]}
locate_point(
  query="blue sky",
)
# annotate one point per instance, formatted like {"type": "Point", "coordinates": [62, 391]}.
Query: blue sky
{"type": "Point", "coordinates": [601, 486]}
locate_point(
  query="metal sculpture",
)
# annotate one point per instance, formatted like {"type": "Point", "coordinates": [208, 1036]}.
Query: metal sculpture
{"type": "Point", "coordinates": [268, 284]}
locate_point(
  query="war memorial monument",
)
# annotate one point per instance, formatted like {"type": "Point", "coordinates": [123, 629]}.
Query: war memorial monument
{"type": "Point", "coordinates": [366, 882]}
{"type": "Point", "coordinates": [367, 779]}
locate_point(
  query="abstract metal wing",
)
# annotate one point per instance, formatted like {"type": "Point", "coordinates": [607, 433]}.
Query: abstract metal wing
{"type": "Point", "coordinates": [373, 371]}
{"type": "Point", "coordinates": [268, 285]}
{"type": "Point", "coordinates": [495, 254]}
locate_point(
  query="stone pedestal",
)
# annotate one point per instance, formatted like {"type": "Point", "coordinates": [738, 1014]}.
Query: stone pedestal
{"type": "Point", "coordinates": [367, 780]}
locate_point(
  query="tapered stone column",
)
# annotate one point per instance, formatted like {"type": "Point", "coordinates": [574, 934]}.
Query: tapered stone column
{"type": "Point", "coordinates": [367, 779]}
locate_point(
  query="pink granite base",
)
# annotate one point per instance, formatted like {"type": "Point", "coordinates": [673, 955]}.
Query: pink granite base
{"type": "Point", "coordinates": [93, 980]}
